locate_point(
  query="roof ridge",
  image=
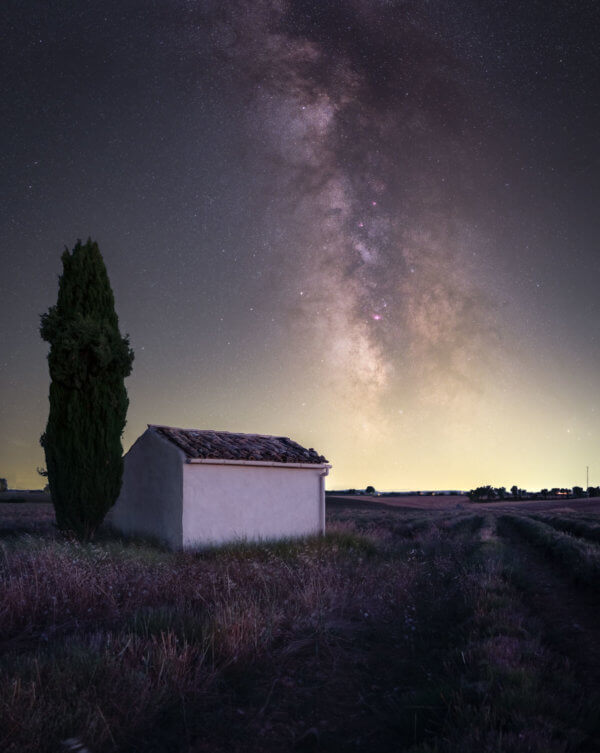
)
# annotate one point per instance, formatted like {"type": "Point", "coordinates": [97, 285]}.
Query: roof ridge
{"type": "Point", "coordinates": [218, 431]}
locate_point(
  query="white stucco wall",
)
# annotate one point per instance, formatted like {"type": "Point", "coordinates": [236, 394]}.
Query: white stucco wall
{"type": "Point", "coordinates": [225, 502]}
{"type": "Point", "coordinates": [150, 502]}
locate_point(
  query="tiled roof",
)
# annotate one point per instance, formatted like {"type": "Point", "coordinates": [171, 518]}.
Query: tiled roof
{"type": "Point", "coordinates": [224, 445]}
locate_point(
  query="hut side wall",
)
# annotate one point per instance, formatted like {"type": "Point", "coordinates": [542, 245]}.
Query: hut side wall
{"type": "Point", "coordinates": [150, 502]}
{"type": "Point", "coordinates": [228, 502]}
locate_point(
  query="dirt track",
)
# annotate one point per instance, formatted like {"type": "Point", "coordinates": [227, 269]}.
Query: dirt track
{"type": "Point", "coordinates": [568, 611]}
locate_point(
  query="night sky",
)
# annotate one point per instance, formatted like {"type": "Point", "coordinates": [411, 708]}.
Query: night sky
{"type": "Point", "coordinates": [369, 225]}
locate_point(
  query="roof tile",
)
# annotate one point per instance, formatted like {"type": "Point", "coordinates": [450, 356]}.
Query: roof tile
{"type": "Point", "coordinates": [224, 445]}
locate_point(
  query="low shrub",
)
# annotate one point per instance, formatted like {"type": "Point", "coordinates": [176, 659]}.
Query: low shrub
{"type": "Point", "coordinates": [582, 559]}
{"type": "Point", "coordinates": [582, 528]}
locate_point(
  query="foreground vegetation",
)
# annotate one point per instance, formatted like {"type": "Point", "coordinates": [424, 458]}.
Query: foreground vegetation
{"type": "Point", "coordinates": [580, 557]}
{"type": "Point", "coordinates": [396, 631]}
{"type": "Point", "coordinates": [587, 528]}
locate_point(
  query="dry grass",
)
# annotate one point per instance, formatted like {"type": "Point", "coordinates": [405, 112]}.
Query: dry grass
{"type": "Point", "coordinates": [391, 633]}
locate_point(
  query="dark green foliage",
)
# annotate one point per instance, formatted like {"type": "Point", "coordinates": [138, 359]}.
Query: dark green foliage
{"type": "Point", "coordinates": [482, 494]}
{"type": "Point", "coordinates": [88, 361]}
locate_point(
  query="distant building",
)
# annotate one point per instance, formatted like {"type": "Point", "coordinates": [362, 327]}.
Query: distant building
{"type": "Point", "coordinates": [190, 488]}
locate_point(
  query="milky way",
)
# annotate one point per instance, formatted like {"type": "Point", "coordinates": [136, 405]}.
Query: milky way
{"type": "Point", "coordinates": [367, 224]}
{"type": "Point", "coordinates": [380, 255]}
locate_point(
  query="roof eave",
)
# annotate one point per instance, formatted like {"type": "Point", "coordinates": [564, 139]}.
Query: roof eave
{"type": "Point", "coordinates": [263, 463]}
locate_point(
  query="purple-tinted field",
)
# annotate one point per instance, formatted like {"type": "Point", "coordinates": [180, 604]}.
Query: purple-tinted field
{"type": "Point", "coordinates": [409, 630]}
{"type": "Point", "coordinates": [450, 503]}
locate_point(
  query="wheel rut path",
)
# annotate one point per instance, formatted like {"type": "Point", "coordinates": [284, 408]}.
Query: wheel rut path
{"type": "Point", "coordinates": [569, 611]}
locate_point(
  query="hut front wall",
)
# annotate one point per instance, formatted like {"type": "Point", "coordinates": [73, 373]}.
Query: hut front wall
{"type": "Point", "coordinates": [232, 502]}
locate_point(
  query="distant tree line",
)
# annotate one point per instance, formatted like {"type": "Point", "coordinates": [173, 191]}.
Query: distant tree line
{"type": "Point", "coordinates": [497, 493]}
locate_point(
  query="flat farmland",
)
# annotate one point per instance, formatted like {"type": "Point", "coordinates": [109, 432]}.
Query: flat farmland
{"type": "Point", "coordinates": [412, 502]}
{"type": "Point", "coordinates": [412, 625]}
{"type": "Point", "coordinates": [449, 502]}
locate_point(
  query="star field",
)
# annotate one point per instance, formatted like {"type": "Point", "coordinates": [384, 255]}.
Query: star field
{"type": "Point", "coordinates": [366, 224]}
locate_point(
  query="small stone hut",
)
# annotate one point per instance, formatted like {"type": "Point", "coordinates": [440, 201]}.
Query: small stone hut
{"type": "Point", "coordinates": [192, 488]}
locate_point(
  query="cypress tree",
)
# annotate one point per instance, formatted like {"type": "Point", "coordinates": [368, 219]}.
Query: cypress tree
{"type": "Point", "coordinates": [88, 362]}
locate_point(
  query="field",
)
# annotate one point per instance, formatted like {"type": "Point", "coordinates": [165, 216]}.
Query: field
{"type": "Point", "coordinates": [425, 625]}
